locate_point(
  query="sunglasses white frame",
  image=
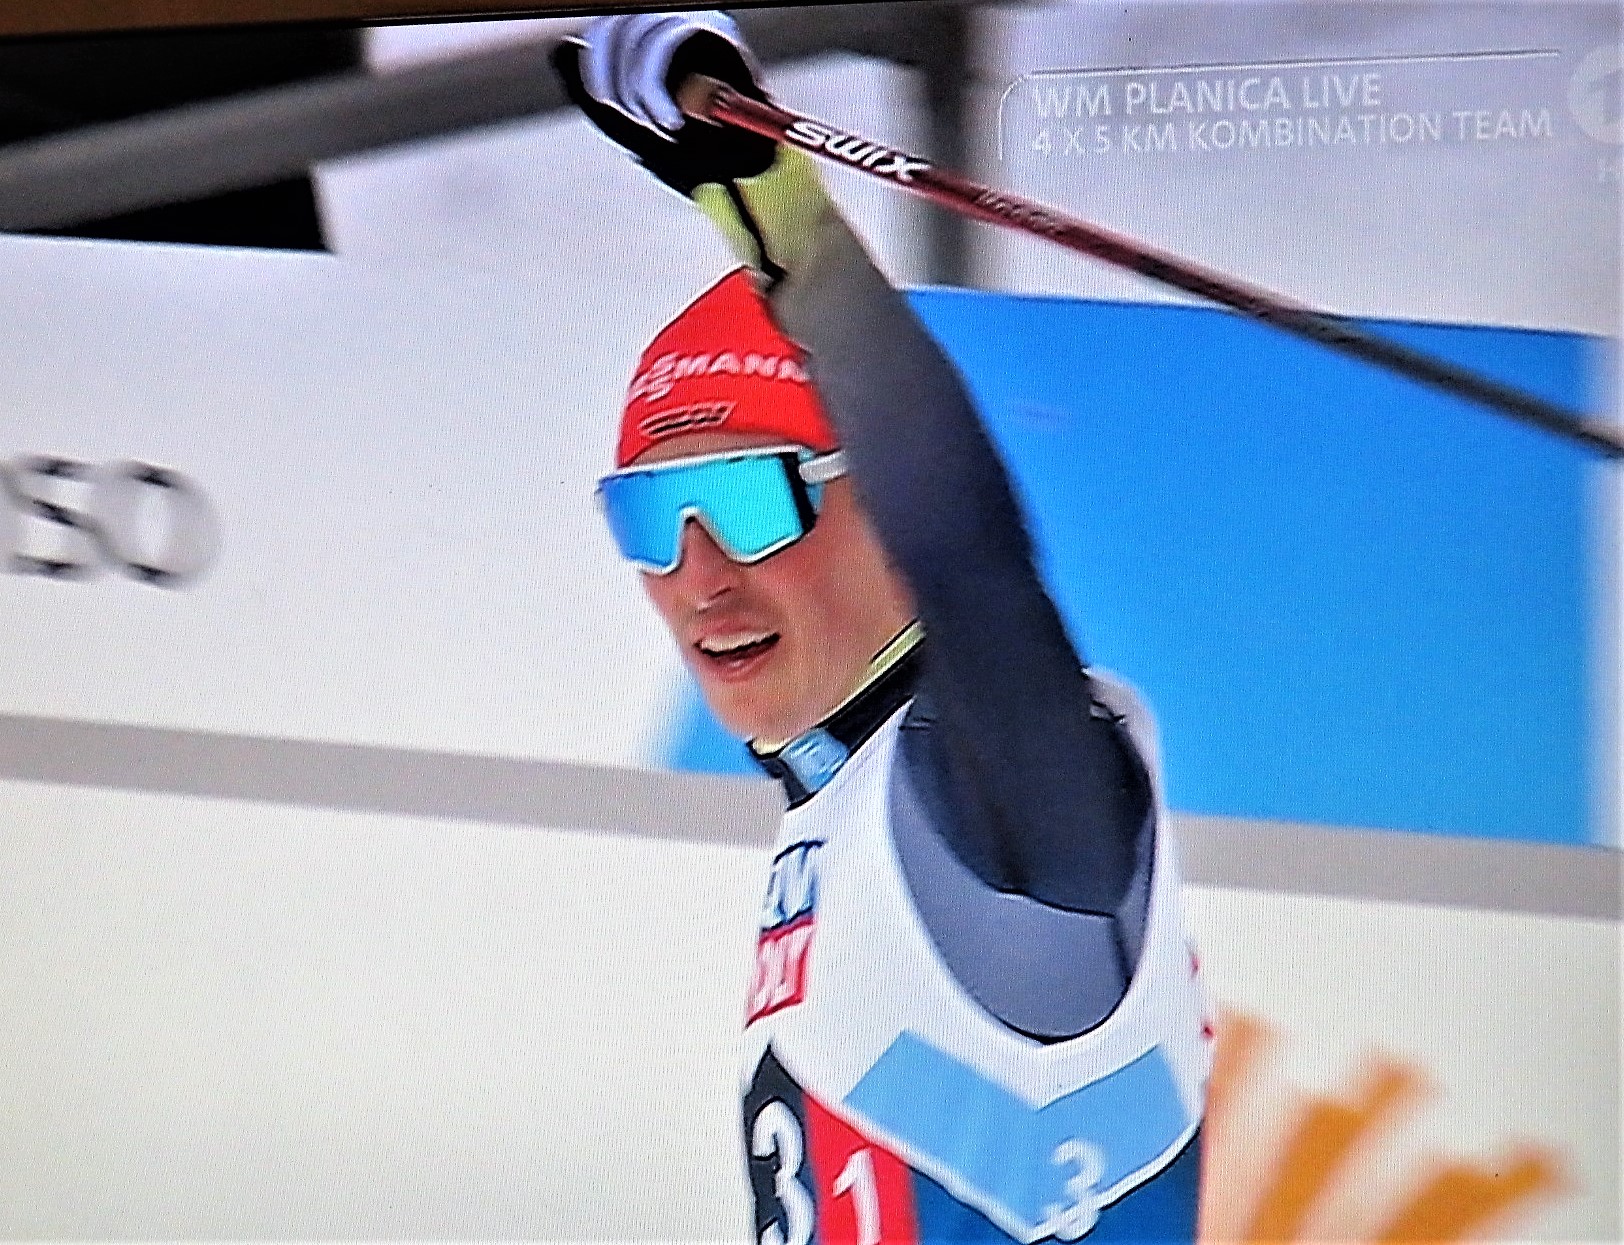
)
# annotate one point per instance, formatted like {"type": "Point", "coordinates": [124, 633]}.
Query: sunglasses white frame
{"type": "Point", "coordinates": [816, 470]}
{"type": "Point", "coordinates": [820, 468]}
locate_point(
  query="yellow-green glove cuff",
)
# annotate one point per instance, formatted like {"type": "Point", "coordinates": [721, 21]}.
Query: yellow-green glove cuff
{"type": "Point", "coordinates": [769, 219]}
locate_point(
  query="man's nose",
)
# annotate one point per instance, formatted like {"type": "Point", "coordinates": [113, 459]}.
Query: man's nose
{"type": "Point", "coordinates": [705, 570]}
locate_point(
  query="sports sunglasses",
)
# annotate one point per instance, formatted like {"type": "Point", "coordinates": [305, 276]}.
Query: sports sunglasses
{"type": "Point", "coordinates": [752, 502]}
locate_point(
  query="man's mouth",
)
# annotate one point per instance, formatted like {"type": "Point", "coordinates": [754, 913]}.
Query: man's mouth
{"type": "Point", "coordinates": [736, 654]}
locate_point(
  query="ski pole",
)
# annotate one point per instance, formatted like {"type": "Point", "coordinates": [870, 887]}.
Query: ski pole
{"type": "Point", "coordinates": [708, 100]}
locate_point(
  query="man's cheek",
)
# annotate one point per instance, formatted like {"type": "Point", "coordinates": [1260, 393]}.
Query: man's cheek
{"type": "Point", "coordinates": [653, 589]}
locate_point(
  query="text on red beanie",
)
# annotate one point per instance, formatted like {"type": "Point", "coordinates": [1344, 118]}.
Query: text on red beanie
{"type": "Point", "coordinates": [723, 366]}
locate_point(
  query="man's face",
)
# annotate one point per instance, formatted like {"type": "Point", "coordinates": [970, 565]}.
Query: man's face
{"type": "Point", "coordinates": [778, 644]}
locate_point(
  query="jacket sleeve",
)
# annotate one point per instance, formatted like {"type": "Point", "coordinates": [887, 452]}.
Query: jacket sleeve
{"type": "Point", "coordinates": [1043, 791]}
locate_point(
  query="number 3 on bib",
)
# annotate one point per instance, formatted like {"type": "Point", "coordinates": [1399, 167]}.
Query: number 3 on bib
{"type": "Point", "coordinates": [777, 1135]}
{"type": "Point", "coordinates": [1071, 1221]}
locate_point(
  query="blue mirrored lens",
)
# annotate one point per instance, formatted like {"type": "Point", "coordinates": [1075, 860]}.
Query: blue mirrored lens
{"type": "Point", "coordinates": [747, 503]}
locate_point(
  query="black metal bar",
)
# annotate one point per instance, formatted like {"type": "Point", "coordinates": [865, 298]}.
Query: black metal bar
{"type": "Point", "coordinates": [945, 70]}
{"type": "Point", "coordinates": [268, 136]}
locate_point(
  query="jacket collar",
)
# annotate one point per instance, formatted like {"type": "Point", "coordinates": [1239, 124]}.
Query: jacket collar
{"type": "Point", "coordinates": [806, 764]}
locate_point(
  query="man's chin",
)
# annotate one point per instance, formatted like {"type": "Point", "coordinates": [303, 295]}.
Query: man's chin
{"type": "Point", "coordinates": [738, 689]}
{"type": "Point", "coordinates": [745, 712]}
{"type": "Point", "coordinates": [739, 717]}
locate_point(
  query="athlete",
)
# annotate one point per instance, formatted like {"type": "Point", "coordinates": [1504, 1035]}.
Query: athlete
{"type": "Point", "coordinates": [975, 1013]}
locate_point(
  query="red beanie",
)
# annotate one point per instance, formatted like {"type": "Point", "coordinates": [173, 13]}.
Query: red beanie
{"type": "Point", "coordinates": [723, 366]}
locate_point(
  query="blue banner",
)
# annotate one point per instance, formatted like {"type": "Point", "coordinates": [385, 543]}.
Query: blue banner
{"type": "Point", "coordinates": [1349, 599]}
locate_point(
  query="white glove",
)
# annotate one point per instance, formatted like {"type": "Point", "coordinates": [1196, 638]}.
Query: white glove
{"type": "Point", "coordinates": [627, 56]}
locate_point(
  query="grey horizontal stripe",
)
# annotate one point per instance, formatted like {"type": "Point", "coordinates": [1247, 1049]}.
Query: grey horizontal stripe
{"type": "Point", "coordinates": [1407, 867]}
{"type": "Point", "coordinates": [253, 139]}
{"type": "Point", "coordinates": [260, 137]}
{"type": "Point", "coordinates": [400, 781]}
{"type": "Point", "coordinates": [1216, 851]}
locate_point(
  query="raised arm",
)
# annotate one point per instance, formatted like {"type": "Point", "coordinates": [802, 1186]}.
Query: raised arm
{"type": "Point", "coordinates": [1040, 788]}
{"type": "Point", "coordinates": [1034, 786]}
